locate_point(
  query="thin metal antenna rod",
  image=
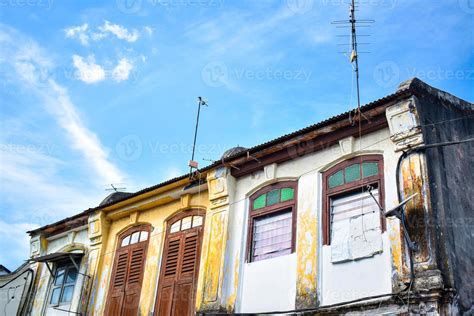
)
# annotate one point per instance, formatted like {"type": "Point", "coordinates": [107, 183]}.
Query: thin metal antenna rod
{"type": "Point", "coordinates": [201, 102]}
{"type": "Point", "coordinates": [354, 55]}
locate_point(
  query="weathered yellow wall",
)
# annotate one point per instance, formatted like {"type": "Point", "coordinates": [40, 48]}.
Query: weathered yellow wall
{"type": "Point", "coordinates": [156, 217]}
{"type": "Point", "coordinates": [211, 272]}
{"type": "Point", "coordinates": [307, 244]}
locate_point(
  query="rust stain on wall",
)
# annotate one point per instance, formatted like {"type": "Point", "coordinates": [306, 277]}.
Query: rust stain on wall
{"type": "Point", "coordinates": [416, 215]}
{"type": "Point", "coordinates": [394, 234]}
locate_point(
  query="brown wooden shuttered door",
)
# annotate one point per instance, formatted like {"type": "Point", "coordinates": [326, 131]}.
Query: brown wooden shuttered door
{"type": "Point", "coordinates": [127, 274]}
{"type": "Point", "coordinates": [180, 265]}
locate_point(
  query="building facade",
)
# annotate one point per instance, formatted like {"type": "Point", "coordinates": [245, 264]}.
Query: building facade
{"type": "Point", "coordinates": [59, 256]}
{"type": "Point", "coordinates": [367, 212]}
{"type": "Point", "coordinates": [146, 250]}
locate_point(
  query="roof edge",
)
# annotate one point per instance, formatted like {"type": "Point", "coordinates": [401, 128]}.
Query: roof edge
{"type": "Point", "coordinates": [416, 85]}
{"type": "Point", "coordinates": [410, 86]}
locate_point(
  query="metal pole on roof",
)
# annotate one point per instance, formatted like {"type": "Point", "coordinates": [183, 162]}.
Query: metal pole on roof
{"type": "Point", "coordinates": [353, 23]}
{"type": "Point", "coordinates": [193, 164]}
{"type": "Point", "coordinates": [354, 53]}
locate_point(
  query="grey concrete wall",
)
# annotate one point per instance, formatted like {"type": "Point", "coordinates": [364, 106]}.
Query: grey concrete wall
{"type": "Point", "coordinates": [451, 171]}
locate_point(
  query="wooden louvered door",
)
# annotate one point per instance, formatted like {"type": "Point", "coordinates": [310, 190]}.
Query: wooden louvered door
{"type": "Point", "coordinates": [180, 265]}
{"type": "Point", "coordinates": [127, 274]}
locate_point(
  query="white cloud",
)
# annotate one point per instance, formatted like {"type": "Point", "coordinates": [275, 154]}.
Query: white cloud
{"type": "Point", "coordinates": [27, 60]}
{"type": "Point", "coordinates": [97, 36]}
{"type": "Point", "coordinates": [172, 172]}
{"type": "Point", "coordinates": [84, 34]}
{"type": "Point", "coordinates": [15, 241]}
{"type": "Point", "coordinates": [79, 32]}
{"type": "Point", "coordinates": [87, 70]}
{"type": "Point", "coordinates": [37, 184]}
{"type": "Point", "coordinates": [119, 31]}
{"type": "Point", "coordinates": [149, 30]}
{"type": "Point", "coordinates": [122, 71]}
{"type": "Point", "coordinates": [82, 139]}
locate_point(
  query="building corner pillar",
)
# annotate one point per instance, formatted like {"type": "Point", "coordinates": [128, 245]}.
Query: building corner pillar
{"type": "Point", "coordinates": [210, 288]}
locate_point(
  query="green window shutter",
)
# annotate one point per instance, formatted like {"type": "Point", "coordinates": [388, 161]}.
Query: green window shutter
{"type": "Point", "coordinates": [336, 179]}
{"type": "Point", "coordinates": [370, 169]}
{"type": "Point", "coordinates": [273, 197]}
{"type": "Point", "coordinates": [260, 201]}
{"type": "Point", "coordinates": [352, 173]}
{"type": "Point", "coordinates": [287, 194]}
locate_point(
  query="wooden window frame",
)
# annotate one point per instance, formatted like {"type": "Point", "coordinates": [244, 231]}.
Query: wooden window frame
{"type": "Point", "coordinates": [130, 231]}
{"type": "Point", "coordinates": [119, 249]}
{"type": "Point", "coordinates": [67, 266]}
{"type": "Point", "coordinates": [199, 230]}
{"type": "Point", "coordinates": [352, 187]}
{"type": "Point", "coordinates": [268, 210]}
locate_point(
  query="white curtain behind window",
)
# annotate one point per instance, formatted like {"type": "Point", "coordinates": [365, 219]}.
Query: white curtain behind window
{"type": "Point", "coordinates": [272, 235]}
{"type": "Point", "coordinates": [355, 227]}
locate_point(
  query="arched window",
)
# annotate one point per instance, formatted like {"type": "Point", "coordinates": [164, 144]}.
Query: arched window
{"type": "Point", "coordinates": [177, 284]}
{"type": "Point", "coordinates": [272, 221]}
{"type": "Point", "coordinates": [135, 237]}
{"type": "Point", "coordinates": [346, 197]}
{"type": "Point", "coordinates": [185, 223]}
{"type": "Point", "coordinates": [128, 269]}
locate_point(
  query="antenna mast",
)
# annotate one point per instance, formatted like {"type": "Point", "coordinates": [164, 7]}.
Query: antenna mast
{"type": "Point", "coordinates": [115, 187]}
{"type": "Point", "coordinates": [192, 163]}
{"type": "Point", "coordinates": [353, 23]}
{"type": "Point", "coordinates": [354, 53]}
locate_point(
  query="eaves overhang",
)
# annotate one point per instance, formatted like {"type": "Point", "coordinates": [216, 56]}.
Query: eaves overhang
{"type": "Point", "coordinates": [406, 89]}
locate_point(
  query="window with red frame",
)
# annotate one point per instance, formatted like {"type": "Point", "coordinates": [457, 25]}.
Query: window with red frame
{"type": "Point", "coordinates": [346, 196]}
{"type": "Point", "coordinates": [272, 221]}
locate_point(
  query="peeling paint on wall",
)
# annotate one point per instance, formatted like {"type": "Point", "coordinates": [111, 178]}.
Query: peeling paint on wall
{"type": "Point", "coordinates": [156, 216]}
{"type": "Point", "coordinates": [214, 262]}
{"type": "Point", "coordinates": [412, 183]}
{"type": "Point", "coordinates": [307, 243]}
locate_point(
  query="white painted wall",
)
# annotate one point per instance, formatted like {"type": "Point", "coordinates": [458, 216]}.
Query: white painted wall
{"type": "Point", "coordinates": [269, 285]}
{"type": "Point", "coordinates": [350, 280]}
{"type": "Point", "coordinates": [258, 282]}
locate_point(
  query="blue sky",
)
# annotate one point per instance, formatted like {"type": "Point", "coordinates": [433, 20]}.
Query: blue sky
{"type": "Point", "coordinates": [94, 94]}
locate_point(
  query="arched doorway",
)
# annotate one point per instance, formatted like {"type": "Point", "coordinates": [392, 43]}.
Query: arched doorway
{"type": "Point", "coordinates": [127, 274]}
{"type": "Point", "coordinates": [180, 264]}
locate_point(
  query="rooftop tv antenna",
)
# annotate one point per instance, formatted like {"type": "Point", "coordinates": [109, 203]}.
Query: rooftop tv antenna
{"type": "Point", "coordinates": [192, 163]}
{"type": "Point", "coordinates": [353, 23]}
{"type": "Point", "coordinates": [115, 187]}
